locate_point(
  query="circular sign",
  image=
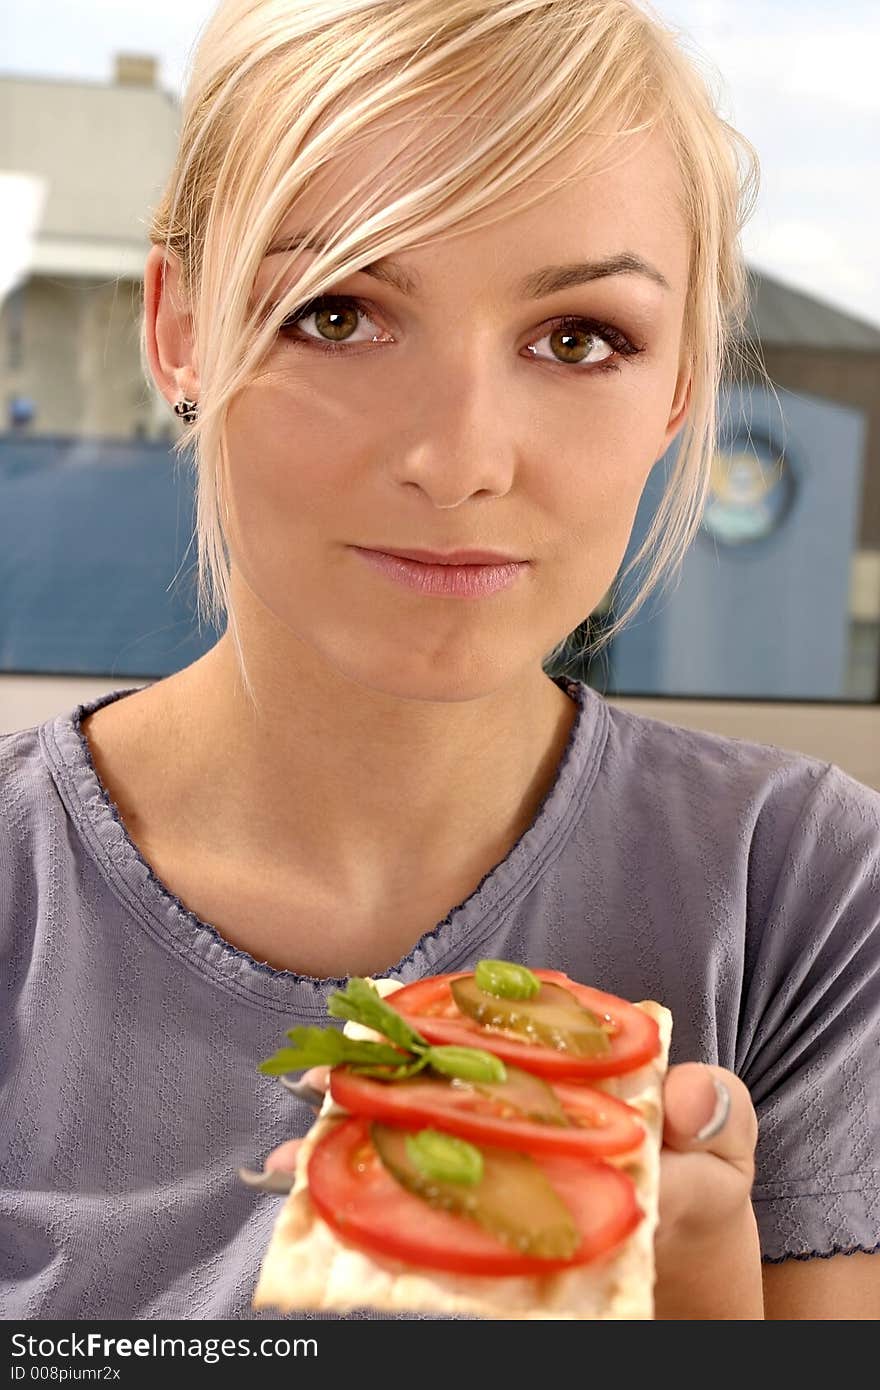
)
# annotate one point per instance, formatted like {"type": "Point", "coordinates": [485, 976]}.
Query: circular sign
{"type": "Point", "coordinates": [751, 489]}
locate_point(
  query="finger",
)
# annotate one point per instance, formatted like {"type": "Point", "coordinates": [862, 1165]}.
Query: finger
{"type": "Point", "coordinates": [316, 1077]}
{"type": "Point", "coordinates": [267, 1182]}
{"type": "Point", "coordinates": [709, 1110]}
{"type": "Point", "coordinates": [310, 1087]}
{"type": "Point", "coordinates": [284, 1157]}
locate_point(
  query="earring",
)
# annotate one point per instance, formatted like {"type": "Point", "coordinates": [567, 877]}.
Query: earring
{"type": "Point", "coordinates": [187, 410]}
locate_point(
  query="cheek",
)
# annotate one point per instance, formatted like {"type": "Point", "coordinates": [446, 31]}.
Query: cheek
{"type": "Point", "coordinates": [595, 475]}
{"type": "Point", "coordinates": [288, 464]}
{"type": "Point", "coordinates": [593, 479]}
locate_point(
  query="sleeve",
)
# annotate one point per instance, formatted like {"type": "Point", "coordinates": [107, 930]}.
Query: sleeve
{"type": "Point", "coordinates": [810, 1032]}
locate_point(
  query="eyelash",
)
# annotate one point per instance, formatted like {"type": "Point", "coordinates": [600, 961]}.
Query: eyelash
{"type": "Point", "coordinates": [605, 331]}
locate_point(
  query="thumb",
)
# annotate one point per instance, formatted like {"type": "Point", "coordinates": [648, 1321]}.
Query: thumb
{"type": "Point", "coordinates": [283, 1159]}
{"type": "Point", "coordinates": [708, 1109]}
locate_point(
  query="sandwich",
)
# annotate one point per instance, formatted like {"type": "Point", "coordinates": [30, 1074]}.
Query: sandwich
{"type": "Point", "coordinates": [488, 1146]}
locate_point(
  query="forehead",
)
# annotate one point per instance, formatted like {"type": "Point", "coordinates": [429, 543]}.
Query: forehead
{"type": "Point", "coordinates": [617, 195]}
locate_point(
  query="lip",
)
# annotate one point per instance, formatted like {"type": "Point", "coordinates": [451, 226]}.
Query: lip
{"type": "Point", "coordinates": [450, 557]}
{"type": "Point", "coordinates": [444, 580]}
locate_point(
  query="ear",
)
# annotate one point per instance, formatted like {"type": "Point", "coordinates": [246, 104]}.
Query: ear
{"type": "Point", "coordinates": [168, 326]}
{"type": "Point", "coordinates": [681, 404]}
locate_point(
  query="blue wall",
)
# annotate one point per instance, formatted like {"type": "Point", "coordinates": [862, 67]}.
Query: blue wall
{"type": "Point", "coordinates": [92, 534]}
{"type": "Point", "coordinates": [98, 564]}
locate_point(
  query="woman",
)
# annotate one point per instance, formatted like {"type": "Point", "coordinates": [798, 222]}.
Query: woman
{"type": "Point", "coordinates": [436, 277]}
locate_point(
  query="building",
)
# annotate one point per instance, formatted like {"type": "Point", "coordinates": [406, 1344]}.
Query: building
{"type": "Point", "coordinates": [811, 347]}
{"type": "Point", "coordinates": [70, 365]}
{"type": "Point", "coordinates": [69, 333]}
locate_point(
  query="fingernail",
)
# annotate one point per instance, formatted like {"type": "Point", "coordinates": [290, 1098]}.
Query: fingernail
{"type": "Point", "coordinates": [303, 1091]}
{"type": "Point", "coordinates": [276, 1181]}
{"type": "Point", "coordinates": [719, 1115]}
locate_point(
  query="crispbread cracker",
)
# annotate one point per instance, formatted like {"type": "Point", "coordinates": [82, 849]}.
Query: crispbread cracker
{"type": "Point", "coordinates": [306, 1266]}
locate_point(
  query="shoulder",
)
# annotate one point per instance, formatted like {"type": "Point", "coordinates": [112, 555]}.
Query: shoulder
{"type": "Point", "coordinates": [24, 782]}
{"type": "Point", "coordinates": [706, 784]}
{"type": "Point", "coordinates": [30, 813]}
{"type": "Point", "coordinates": [24, 777]}
{"type": "Point", "coordinates": [760, 825]}
{"type": "Point", "coordinates": [773, 787]}
{"type": "Point", "coordinates": [23, 829]}
{"type": "Point", "coordinates": [698, 753]}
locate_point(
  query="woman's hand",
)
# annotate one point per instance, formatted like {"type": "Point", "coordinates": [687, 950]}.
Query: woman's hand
{"type": "Point", "coordinates": [283, 1159]}
{"type": "Point", "coordinates": [707, 1251]}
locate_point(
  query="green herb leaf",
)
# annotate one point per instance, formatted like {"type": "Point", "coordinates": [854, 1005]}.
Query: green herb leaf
{"type": "Point", "coordinates": [467, 1063]}
{"type": "Point", "coordinates": [317, 1046]}
{"type": "Point", "coordinates": [360, 1003]}
{"type": "Point", "coordinates": [411, 1053]}
{"type": "Point", "coordinates": [401, 1073]}
{"type": "Point", "coordinates": [443, 1157]}
{"type": "Point", "coordinates": [506, 980]}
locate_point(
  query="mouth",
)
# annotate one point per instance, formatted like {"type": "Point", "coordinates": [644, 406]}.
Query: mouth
{"type": "Point", "coordinates": [451, 557]}
{"type": "Point", "coordinates": [444, 577]}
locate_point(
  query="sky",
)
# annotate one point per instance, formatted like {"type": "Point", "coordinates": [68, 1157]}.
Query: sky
{"type": "Point", "coordinates": [797, 77]}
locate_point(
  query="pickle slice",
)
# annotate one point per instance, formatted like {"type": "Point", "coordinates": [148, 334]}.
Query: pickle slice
{"type": "Point", "coordinates": [524, 1096]}
{"type": "Point", "coordinates": [552, 1016]}
{"type": "Point", "coordinates": [514, 1199]}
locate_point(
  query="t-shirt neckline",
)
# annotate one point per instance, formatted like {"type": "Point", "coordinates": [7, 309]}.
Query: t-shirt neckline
{"type": "Point", "coordinates": [199, 945]}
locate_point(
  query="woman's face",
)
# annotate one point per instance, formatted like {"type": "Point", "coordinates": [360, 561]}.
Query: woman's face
{"type": "Point", "coordinates": [477, 419]}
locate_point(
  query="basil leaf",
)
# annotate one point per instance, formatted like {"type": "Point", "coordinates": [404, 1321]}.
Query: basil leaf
{"type": "Point", "coordinates": [317, 1046]}
{"type": "Point", "coordinates": [444, 1157]}
{"type": "Point", "coordinates": [401, 1073]}
{"type": "Point", "coordinates": [467, 1063]}
{"type": "Point", "coordinates": [506, 980]}
{"type": "Point", "coordinates": [359, 1003]}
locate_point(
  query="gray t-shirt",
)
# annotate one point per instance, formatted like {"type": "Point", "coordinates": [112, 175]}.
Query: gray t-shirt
{"type": "Point", "coordinates": [734, 882]}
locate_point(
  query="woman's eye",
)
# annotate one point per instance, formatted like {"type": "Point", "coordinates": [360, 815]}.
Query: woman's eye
{"type": "Point", "coordinates": [335, 321]}
{"type": "Point", "coordinates": [579, 343]}
{"type": "Point", "coordinates": [582, 343]}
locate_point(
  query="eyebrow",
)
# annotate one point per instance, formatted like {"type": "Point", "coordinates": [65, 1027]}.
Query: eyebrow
{"type": "Point", "coordinates": [548, 280]}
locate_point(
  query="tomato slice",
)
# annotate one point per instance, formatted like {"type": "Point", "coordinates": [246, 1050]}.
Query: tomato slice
{"type": "Point", "coordinates": [429, 1006]}
{"type": "Point", "coordinates": [366, 1207]}
{"type": "Point", "coordinates": [602, 1125]}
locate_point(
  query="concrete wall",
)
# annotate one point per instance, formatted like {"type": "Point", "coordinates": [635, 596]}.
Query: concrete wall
{"type": "Point", "coordinates": [78, 359]}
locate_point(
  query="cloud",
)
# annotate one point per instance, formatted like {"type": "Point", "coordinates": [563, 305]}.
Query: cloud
{"type": "Point", "coordinates": [827, 59]}
{"type": "Point", "coordinates": [798, 78]}
{"type": "Point", "coordinates": [793, 248]}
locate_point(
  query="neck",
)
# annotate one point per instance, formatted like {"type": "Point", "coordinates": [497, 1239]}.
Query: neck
{"type": "Point", "coordinates": [339, 783]}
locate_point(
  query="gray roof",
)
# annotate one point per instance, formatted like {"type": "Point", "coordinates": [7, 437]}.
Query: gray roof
{"type": "Point", "coordinates": [783, 316]}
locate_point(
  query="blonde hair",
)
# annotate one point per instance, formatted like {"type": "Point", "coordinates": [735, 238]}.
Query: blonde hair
{"type": "Point", "coordinates": [278, 88]}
